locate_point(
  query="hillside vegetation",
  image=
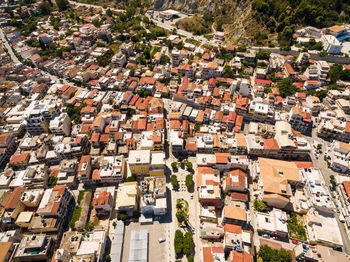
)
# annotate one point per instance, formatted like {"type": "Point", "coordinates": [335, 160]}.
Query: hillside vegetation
{"type": "Point", "coordinates": [283, 16]}
{"type": "Point", "coordinates": [197, 24]}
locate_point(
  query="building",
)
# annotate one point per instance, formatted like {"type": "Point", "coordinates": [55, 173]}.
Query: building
{"type": "Point", "coordinates": [60, 124]}
{"type": "Point", "coordinates": [300, 119]}
{"type": "Point", "coordinates": [331, 44]}
{"type": "Point", "coordinates": [7, 249]}
{"type": "Point", "coordinates": [13, 206]}
{"type": "Point", "coordinates": [153, 200]}
{"type": "Point", "coordinates": [145, 163]}
{"type": "Point", "coordinates": [208, 184]}
{"type": "Point", "coordinates": [234, 215]}
{"type": "Point", "coordinates": [273, 223]}
{"type": "Point", "coordinates": [127, 200]}
{"type": "Point", "coordinates": [36, 247]}
{"type": "Point", "coordinates": [55, 205]}
{"type": "Point", "coordinates": [138, 251]}
{"type": "Point", "coordinates": [209, 254]}
{"type": "Point", "coordinates": [274, 181]}
{"type": "Point", "coordinates": [103, 201]}
{"type": "Point", "coordinates": [111, 170]}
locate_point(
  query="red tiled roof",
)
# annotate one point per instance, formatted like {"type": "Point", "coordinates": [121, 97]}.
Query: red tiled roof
{"type": "Point", "coordinates": [239, 196]}
{"type": "Point", "coordinates": [271, 143]}
{"type": "Point", "coordinates": [95, 137]}
{"type": "Point", "coordinates": [241, 257]}
{"type": "Point", "coordinates": [19, 158]}
{"type": "Point", "coordinates": [102, 199]}
{"type": "Point", "coordinates": [233, 229]}
{"type": "Point", "coordinates": [263, 81]}
{"type": "Point", "coordinates": [174, 124]}
{"type": "Point", "coordinates": [14, 197]}
{"type": "Point", "coordinates": [346, 185]}
{"type": "Point", "coordinates": [304, 164]}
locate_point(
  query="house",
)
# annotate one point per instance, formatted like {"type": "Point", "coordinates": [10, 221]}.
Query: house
{"type": "Point", "coordinates": [35, 247]}
{"type": "Point", "coordinates": [208, 184]}
{"type": "Point", "coordinates": [54, 207]}
{"type": "Point", "coordinates": [234, 215]}
{"type": "Point", "coordinates": [103, 201]}
{"type": "Point", "coordinates": [208, 254]}
{"type": "Point", "coordinates": [274, 179]}
{"type": "Point", "coordinates": [236, 180]}
{"type": "Point", "coordinates": [13, 206]}
{"type": "Point", "coordinates": [127, 200]}
{"type": "Point", "coordinates": [274, 223]}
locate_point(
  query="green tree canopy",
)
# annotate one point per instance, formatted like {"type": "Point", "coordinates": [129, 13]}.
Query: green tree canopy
{"type": "Point", "coordinates": [267, 254]}
{"type": "Point", "coordinates": [286, 87]}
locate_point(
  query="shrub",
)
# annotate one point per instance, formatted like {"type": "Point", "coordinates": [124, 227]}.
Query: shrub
{"type": "Point", "coordinates": [260, 206]}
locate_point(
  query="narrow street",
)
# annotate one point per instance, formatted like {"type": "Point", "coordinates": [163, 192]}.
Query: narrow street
{"type": "Point", "coordinates": [8, 47]}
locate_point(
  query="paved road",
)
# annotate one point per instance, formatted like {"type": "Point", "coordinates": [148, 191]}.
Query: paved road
{"type": "Point", "coordinates": [94, 6]}
{"type": "Point", "coordinates": [8, 47]}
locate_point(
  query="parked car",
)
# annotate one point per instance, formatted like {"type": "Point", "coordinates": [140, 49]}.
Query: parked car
{"type": "Point", "coordinates": [161, 240]}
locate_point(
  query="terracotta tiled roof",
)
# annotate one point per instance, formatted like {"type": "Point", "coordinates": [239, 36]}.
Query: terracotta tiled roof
{"type": "Point", "coordinates": [14, 197]}
{"type": "Point", "coordinates": [19, 158]}
{"type": "Point", "coordinates": [233, 229]}
{"type": "Point", "coordinates": [102, 199]}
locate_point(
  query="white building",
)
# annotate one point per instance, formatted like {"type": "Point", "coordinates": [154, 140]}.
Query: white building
{"type": "Point", "coordinates": [61, 124]}
{"type": "Point", "coordinates": [331, 44]}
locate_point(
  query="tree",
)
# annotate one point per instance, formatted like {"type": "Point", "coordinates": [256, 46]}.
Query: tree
{"type": "Point", "coordinates": [219, 25]}
{"type": "Point", "coordinates": [181, 216]}
{"type": "Point", "coordinates": [189, 181]}
{"type": "Point", "coordinates": [286, 87]}
{"type": "Point", "coordinates": [164, 60]}
{"type": "Point", "coordinates": [173, 180]}
{"type": "Point", "coordinates": [335, 72]}
{"type": "Point", "coordinates": [260, 206]}
{"type": "Point", "coordinates": [190, 259]}
{"type": "Point", "coordinates": [267, 254]}
{"type": "Point", "coordinates": [52, 181]}
{"type": "Point", "coordinates": [179, 205]}
{"type": "Point", "coordinates": [122, 216]}
{"type": "Point", "coordinates": [296, 228]}
{"type": "Point", "coordinates": [178, 241]}
{"type": "Point", "coordinates": [242, 48]}
{"type": "Point", "coordinates": [188, 244]}
{"type": "Point", "coordinates": [109, 12]}
{"type": "Point", "coordinates": [321, 94]}
{"type": "Point", "coordinates": [45, 8]}
{"type": "Point", "coordinates": [197, 127]}
{"type": "Point", "coordinates": [189, 165]}
{"type": "Point", "coordinates": [263, 54]}
{"type": "Point", "coordinates": [174, 165]}
{"type": "Point", "coordinates": [62, 5]}
{"type": "Point", "coordinates": [89, 226]}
